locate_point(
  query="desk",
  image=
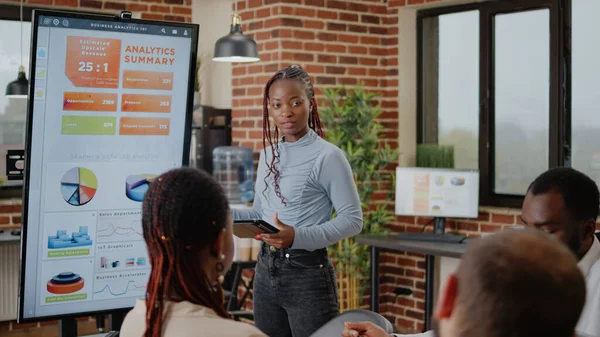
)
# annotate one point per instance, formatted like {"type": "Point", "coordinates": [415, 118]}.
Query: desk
{"type": "Point", "coordinates": [429, 249]}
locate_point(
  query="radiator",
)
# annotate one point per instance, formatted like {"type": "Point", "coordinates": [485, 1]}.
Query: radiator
{"type": "Point", "coordinates": [9, 280]}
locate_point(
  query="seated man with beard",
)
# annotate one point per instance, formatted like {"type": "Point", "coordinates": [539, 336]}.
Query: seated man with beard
{"type": "Point", "coordinates": [511, 284]}
{"type": "Point", "coordinates": [564, 202]}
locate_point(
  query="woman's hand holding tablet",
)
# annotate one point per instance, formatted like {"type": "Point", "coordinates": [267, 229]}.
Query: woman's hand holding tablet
{"type": "Point", "coordinates": [278, 236]}
{"type": "Point", "coordinates": [284, 238]}
{"type": "Point", "coordinates": [247, 229]}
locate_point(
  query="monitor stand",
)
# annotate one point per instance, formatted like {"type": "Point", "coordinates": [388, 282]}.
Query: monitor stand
{"type": "Point", "coordinates": [439, 225]}
{"type": "Point", "coordinates": [67, 327]}
{"type": "Point", "coordinates": [438, 235]}
{"type": "Point", "coordinates": [115, 320]}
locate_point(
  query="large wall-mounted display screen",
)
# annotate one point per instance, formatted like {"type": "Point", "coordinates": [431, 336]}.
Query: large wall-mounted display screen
{"type": "Point", "coordinates": [110, 109]}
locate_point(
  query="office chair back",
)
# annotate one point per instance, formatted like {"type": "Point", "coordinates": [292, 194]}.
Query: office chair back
{"type": "Point", "coordinates": [335, 327]}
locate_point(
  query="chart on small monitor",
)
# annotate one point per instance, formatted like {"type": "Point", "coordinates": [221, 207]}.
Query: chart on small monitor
{"type": "Point", "coordinates": [437, 192]}
{"type": "Point", "coordinates": [110, 111]}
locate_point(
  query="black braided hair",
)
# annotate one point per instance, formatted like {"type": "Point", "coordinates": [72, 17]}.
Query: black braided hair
{"type": "Point", "coordinates": [184, 210]}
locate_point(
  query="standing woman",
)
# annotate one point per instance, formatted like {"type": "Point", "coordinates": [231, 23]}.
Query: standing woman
{"type": "Point", "coordinates": [301, 179]}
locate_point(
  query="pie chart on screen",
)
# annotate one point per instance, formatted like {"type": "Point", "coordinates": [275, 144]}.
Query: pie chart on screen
{"type": "Point", "coordinates": [137, 185]}
{"type": "Point", "coordinates": [78, 186]}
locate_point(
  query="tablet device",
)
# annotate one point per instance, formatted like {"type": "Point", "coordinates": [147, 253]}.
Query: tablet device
{"type": "Point", "coordinates": [247, 229]}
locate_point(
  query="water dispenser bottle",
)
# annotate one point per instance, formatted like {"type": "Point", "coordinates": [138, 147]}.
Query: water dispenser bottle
{"type": "Point", "coordinates": [233, 168]}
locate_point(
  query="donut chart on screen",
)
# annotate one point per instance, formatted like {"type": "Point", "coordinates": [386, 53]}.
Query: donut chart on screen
{"type": "Point", "coordinates": [78, 186]}
{"type": "Point", "coordinates": [136, 186]}
{"type": "Point", "coordinates": [65, 283]}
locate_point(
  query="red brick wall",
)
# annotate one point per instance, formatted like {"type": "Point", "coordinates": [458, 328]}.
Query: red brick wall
{"type": "Point", "coordinates": [336, 42]}
{"type": "Point", "coordinates": [10, 210]}
{"type": "Point", "coordinates": [343, 42]}
{"type": "Point", "coordinates": [170, 10]}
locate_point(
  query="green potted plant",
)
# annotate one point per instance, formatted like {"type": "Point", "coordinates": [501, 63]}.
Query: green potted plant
{"type": "Point", "coordinates": [435, 156]}
{"type": "Point", "coordinates": [350, 120]}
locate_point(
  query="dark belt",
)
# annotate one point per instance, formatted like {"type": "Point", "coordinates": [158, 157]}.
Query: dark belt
{"type": "Point", "coordinates": [287, 251]}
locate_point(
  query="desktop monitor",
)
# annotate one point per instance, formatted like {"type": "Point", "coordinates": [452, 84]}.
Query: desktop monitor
{"type": "Point", "coordinates": [110, 106]}
{"type": "Point", "coordinates": [437, 193]}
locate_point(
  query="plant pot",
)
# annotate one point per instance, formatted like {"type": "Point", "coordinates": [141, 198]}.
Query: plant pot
{"type": "Point", "coordinates": [349, 294]}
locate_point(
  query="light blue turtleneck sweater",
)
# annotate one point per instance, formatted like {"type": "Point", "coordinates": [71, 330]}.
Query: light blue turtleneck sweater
{"type": "Point", "coordinates": [315, 179]}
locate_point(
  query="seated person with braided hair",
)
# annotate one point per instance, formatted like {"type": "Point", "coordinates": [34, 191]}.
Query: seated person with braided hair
{"type": "Point", "coordinates": [188, 231]}
{"type": "Point", "coordinates": [519, 283]}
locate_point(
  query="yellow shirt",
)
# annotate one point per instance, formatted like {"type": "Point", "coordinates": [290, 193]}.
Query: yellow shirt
{"type": "Point", "coordinates": [183, 319]}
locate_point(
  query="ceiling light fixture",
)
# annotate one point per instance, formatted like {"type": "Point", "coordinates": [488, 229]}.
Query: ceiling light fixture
{"type": "Point", "coordinates": [236, 47]}
{"type": "Point", "coordinates": [20, 86]}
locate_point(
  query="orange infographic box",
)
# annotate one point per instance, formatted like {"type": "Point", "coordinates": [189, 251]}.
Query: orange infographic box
{"type": "Point", "coordinates": [89, 101]}
{"type": "Point", "coordinates": [93, 62]}
{"type": "Point", "coordinates": [151, 80]}
{"type": "Point", "coordinates": [145, 103]}
{"type": "Point", "coordinates": [144, 126]}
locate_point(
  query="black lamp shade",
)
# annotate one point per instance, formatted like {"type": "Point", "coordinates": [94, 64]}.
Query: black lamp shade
{"type": "Point", "coordinates": [236, 47]}
{"type": "Point", "coordinates": [20, 86]}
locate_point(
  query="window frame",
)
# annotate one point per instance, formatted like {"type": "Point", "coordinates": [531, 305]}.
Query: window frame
{"type": "Point", "coordinates": [13, 13]}
{"type": "Point", "coordinates": [559, 86]}
{"type": "Point", "coordinates": [9, 12]}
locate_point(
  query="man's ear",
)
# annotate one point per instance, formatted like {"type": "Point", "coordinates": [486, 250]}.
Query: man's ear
{"type": "Point", "coordinates": [445, 303]}
{"type": "Point", "coordinates": [589, 228]}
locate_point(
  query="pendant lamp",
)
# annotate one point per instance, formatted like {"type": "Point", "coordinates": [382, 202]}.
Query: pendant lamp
{"type": "Point", "coordinates": [20, 86]}
{"type": "Point", "coordinates": [236, 47]}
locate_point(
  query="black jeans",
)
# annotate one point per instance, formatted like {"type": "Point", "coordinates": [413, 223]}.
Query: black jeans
{"type": "Point", "coordinates": [295, 292]}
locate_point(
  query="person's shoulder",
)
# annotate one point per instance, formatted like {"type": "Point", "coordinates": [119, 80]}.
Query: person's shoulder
{"type": "Point", "coordinates": [191, 326]}
{"type": "Point", "coordinates": [265, 153]}
{"type": "Point", "coordinates": [188, 320]}
{"type": "Point", "coordinates": [266, 149]}
{"type": "Point", "coordinates": [331, 151]}
{"type": "Point", "coordinates": [135, 321]}
{"type": "Point", "coordinates": [216, 326]}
